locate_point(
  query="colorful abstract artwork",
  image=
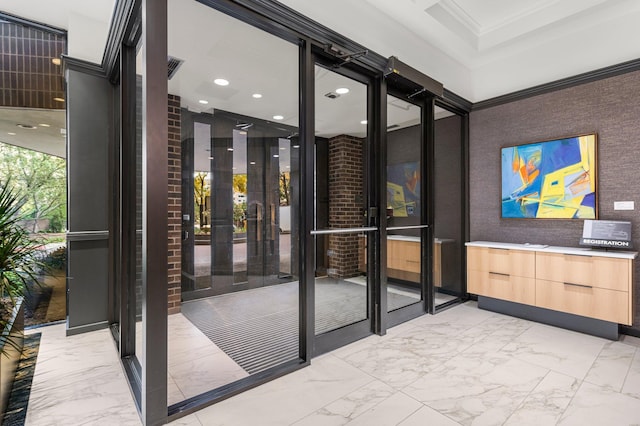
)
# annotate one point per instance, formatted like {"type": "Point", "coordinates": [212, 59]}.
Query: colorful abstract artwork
{"type": "Point", "coordinates": [403, 189]}
{"type": "Point", "coordinates": [550, 180]}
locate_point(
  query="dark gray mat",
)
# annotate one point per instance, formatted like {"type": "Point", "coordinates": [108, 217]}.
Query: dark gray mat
{"type": "Point", "coordinates": [258, 328]}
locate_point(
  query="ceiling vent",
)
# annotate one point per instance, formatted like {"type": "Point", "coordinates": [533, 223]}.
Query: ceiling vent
{"type": "Point", "coordinates": [172, 66]}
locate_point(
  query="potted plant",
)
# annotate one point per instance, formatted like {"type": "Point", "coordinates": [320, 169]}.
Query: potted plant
{"type": "Point", "coordinates": [19, 266]}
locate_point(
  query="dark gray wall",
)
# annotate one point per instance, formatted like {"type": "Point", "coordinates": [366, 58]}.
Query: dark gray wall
{"type": "Point", "coordinates": [609, 107]}
{"type": "Point", "coordinates": [89, 108]}
{"type": "Point", "coordinates": [448, 200]}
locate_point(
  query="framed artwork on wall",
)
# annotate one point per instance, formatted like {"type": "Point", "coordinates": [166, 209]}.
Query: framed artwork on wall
{"type": "Point", "coordinates": [554, 179]}
{"type": "Point", "coordinates": [403, 189]}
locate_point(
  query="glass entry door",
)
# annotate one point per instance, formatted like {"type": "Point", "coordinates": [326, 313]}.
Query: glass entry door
{"type": "Point", "coordinates": [342, 285]}
{"type": "Point", "coordinates": [405, 210]}
{"type": "Point", "coordinates": [237, 205]}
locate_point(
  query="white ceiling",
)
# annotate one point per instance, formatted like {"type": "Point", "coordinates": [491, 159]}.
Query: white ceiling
{"type": "Point", "coordinates": [42, 130]}
{"type": "Point", "coordinates": [478, 49]}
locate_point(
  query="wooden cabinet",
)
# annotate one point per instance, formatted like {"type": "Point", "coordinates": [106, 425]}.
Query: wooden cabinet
{"type": "Point", "coordinates": [403, 255]}
{"type": "Point", "coordinates": [502, 286]}
{"type": "Point", "coordinates": [403, 258]}
{"type": "Point", "coordinates": [588, 301]}
{"type": "Point", "coordinates": [603, 272]}
{"type": "Point", "coordinates": [501, 274]}
{"type": "Point", "coordinates": [591, 284]}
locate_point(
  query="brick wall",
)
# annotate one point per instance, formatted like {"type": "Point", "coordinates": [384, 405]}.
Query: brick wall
{"type": "Point", "coordinates": [346, 187]}
{"type": "Point", "coordinates": [28, 78]}
{"type": "Point", "coordinates": [175, 196]}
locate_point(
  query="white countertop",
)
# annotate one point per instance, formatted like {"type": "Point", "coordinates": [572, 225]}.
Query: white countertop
{"type": "Point", "coordinates": [580, 251]}
{"type": "Point", "coordinates": [403, 238]}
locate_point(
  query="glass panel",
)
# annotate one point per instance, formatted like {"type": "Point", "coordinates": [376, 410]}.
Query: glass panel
{"type": "Point", "coordinates": [140, 272]}
{"type": "Point", "coordinates": [404, 204]}
{"type": "Point", "coordinates": [341, 281]}
{"type": "Point", "coordinates": [448, 205]}
{"type": "Point", "coordinates": [239, 159]}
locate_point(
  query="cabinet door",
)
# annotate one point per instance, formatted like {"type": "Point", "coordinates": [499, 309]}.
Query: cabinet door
{"type": "Point", "coordinates": [502, 286]}
{"type": "Point", "coordinates": [593, 302]}
{"type": "Point", "coordinates": [477, 258]}
{"type": "Point", "coordinates": [611, 273]}
{"type": "Point", "coordinates": [403, 254]}
{"type": "Point", "coordinates": [520, 263]}
{"type": "Point", "coordinates": [562, 268]}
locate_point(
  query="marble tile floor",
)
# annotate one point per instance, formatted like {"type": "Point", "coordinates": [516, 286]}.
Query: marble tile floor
{"type": "Point", "coordinates": [464, 366]}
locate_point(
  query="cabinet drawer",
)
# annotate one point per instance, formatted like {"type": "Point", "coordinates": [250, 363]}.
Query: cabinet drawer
{"type": "Point", "coordinates": [588, 301]}
{"type": "Point", "coordinates": [502, 286]}
{"type": "Point", "coordinates": [601, 272]}
{"type": "Point", "coordinates": [502, 261]}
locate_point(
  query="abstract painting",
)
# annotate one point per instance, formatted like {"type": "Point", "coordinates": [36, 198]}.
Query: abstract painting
{"type": "Point", "coordinates": [550, 180]}
{"type": "Point", "coordinates": [403, 189]}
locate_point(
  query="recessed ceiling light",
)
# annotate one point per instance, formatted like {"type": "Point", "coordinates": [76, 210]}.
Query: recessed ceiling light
{"type": "Point", "coordinates": [27, 126]}
{"type": "Point", "coordinates": [276, 156]}
{"type": "Point", "coordinates": [203, 102]}
{"type": "Point", "coordinates": [257, 95]}
{"type": "Point", "coordinates": [229, 149]}
{"type": "Point", "coordinates": [221, 82]}
{"type": "Point", "coordinates": [56, 61]}
{"type": "Point", "coordinates": [296, 146]}
{"type": "Point", "coordinates": [210, 158]}
{"type": "Point", "coordinates": [363, 122]}
{"type": "Point", "coordinates": [342, 90]}
{"type": "Point", "coordinates": [58, 99]}
{"type": "Point", "coordinates": [44, 125]}
{"type": "Point", "coordinates": [11, 133]}
{"type": "Point", "coordinates": [278, 117]}
{"type": "Point", "coordinates": [252, 162]}
{"type": "Point", "coordinates": [282, 148]}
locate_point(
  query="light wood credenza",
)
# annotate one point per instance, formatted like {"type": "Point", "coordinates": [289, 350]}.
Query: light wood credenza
{"type": "Point", "coordinates": [403, 259]}
{"type": "Point", "coordinates": [578, 288]}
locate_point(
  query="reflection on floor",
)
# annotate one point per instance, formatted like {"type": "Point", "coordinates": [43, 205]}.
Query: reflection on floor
{"type": "Point", "coordinates": [462, 366]}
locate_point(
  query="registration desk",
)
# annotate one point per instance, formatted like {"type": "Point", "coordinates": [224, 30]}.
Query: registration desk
{"type": "Point", "coordinates": [578, 288]}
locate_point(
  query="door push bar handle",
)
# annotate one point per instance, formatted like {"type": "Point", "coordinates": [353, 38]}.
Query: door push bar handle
{"type": "Point", "coordinates": [343, 230]}
{"type": "Point", "coordinates": [500, 273]}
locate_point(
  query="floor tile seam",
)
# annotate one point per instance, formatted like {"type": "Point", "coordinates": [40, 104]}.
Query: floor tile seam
{"type": "Point", "coordinates": [373, 379]}
{"type": "Point", "coordinates": [112, 376]}
{"type": "Point", "coordinates": [580, 384]}
{"type": "Point", "coordinates": [626, 376]}
{"type": "Point", "coordinates": [177, 386]}
{"type": "Point", "coordinates": [593, 363]}
{"type": "Point", "coordinates": [423, 404]}
{"type": "Point", "coordinates": [420, 406]}
{"type": "Point", "coordinates": [580, 379]}
{"type": "Point", "coordinates": [531, 392]}
{"type": "Point", "coordinates": [63, 376]}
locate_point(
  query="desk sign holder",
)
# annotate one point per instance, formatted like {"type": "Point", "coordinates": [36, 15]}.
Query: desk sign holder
{"type": "Point", "coordinates": [607, 234]}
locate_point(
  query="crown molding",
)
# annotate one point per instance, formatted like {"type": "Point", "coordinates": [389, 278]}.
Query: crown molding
{"type": "Point", "coordinates": [565, 83]}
